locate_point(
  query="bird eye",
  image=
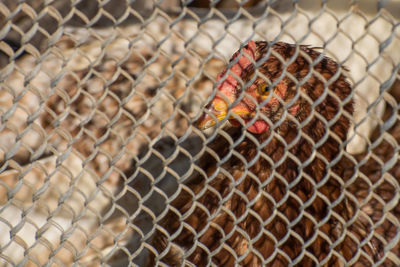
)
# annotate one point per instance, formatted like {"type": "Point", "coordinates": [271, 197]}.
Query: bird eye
{"type": "Point", "coordinates": [263, 89]}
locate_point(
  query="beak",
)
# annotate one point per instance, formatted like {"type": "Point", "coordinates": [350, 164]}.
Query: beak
{"type": "Point", "coordinates": [217, 111]}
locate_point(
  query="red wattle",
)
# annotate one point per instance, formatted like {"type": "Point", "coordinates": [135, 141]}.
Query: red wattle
{"type": "Point", "coordinates": [257, 127]}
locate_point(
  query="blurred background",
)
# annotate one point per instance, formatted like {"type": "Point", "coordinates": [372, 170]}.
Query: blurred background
{"type": "Point", "coordinates": [97, 101]}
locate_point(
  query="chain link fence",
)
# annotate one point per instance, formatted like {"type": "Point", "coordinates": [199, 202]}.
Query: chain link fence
{"type": "Point", "coordinates": [98, 101]}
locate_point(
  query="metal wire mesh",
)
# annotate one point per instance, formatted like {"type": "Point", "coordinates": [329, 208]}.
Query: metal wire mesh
{"type": "Point", "coordinates": [97, 142]}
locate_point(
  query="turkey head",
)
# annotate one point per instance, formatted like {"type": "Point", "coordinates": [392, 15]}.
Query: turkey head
{"type": "Point", "coordinates": [269, 86]}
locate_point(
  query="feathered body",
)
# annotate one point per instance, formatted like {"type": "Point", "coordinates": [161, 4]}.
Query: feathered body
{"type": "Point", "coordinates": [273, 191]}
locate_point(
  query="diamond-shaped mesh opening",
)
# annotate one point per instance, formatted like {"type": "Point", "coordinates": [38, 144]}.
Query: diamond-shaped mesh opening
{"type": "Point", "coordinates": [134, 134]}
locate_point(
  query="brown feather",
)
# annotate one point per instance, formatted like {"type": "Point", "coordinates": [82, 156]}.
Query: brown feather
{"type": "Point", "coordinates": [278, 197]}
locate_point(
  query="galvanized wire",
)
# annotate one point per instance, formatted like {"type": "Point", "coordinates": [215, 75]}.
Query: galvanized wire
{"type": "Point", "coordinates": [97, 104]}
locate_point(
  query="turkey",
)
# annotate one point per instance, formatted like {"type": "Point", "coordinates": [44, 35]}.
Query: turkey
{"type": "Point", "coordinates": [272, 188]}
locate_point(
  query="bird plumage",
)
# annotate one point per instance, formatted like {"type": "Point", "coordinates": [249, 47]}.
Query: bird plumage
{"type": "Point", "coordinates": [276, 194]}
